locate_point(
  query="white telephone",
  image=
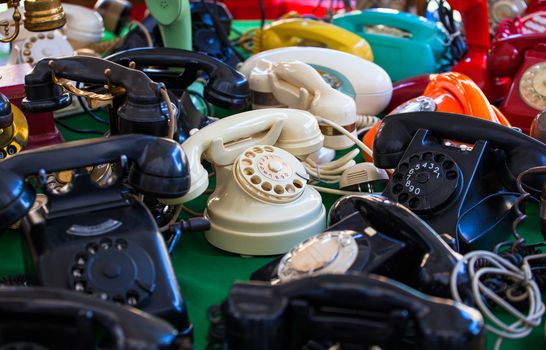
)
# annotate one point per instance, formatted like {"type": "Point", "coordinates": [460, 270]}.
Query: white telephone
{"type": "Point", "coordinates": [262, 204]}
{"type": "Point", "coordinates": [367, 83]}
{"type": "Point", "coordinates": [83, 27]}
{"type": "Point", "coordinates": [298, 85]}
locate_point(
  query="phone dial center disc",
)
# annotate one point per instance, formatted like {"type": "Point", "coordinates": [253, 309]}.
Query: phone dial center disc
{"type": "Point", "coordinates": [271, 174]}
{"type": "Point", "coordinates": [114, 270]}
{"type": "Point", "coordinates": [426, 181]}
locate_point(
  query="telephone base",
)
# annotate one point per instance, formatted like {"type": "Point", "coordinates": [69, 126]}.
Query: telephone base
{"type": "Point", "coordinates": [263, 243]}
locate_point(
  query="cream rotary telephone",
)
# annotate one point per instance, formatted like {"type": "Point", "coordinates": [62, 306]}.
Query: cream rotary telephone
{"type": "Point", "coordinates": [297, 85]}
{"type": "Point", "coordinates": [262, 204]}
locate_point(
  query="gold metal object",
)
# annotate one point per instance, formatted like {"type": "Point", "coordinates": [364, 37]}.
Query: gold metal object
{"type": "Point", "coordinates": [14, 138]}
{"type": "Point", "coordinates": [43, 15]}
{"type": "Point", "coordinates": [16, 18]}
{"type": "Point", "coordinates": [328, 130]}
{"type": "Point", "coordinates": [93, 99]}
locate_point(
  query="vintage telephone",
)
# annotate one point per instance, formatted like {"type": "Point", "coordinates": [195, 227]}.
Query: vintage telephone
{"type": "Point", "coordinates": [39, 16]}
{"type": "Point", "coordinates": [83, 27]}
{"type": "Point", "coordinates": [449, 92]}
{"type": "Point", "coordinates": [262, 204]}
{"type": "Point", "coordinates": [50, 318]}
{"type": "Point", "coordinates": [13, 128]}
{"type": "Point", "coordinates": [344, 312]}
{"type": "Point", "coordinates": [370, 234]}
{"type": "Point", "coordinates": [367, 83]}
{"type": "Point", "coordinates": [303, 32]}
{"type": "Point", "coordinates": [295, 84]}
{"type": "Point", "coordinates": [460, 190]}
{"type": "Point", "coordinates": [403, 44]}
{"type": "Point", "coordinates": [174, 20]}
{"type": "Point", "coordinates": [142, 111]}
{"type": "Point", "coordinates": [94, 237]}
{"type": "Point", "coordinates": [504, 9]}
{"type": "Point", "coordinates": [522, 58]}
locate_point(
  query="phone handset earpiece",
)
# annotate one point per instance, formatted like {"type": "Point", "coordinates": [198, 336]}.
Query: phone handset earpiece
{"type": "Point", "coordinates": [16, 198]}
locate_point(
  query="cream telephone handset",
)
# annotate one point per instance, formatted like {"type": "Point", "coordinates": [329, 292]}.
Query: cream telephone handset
{"type": "Point", "coordinates": [298, 85]}
{"type": "Point", "coordinates": [262, 204]}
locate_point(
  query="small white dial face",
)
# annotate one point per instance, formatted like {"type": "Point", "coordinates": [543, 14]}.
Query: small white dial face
{"type": "Point", "coordinates": [532, 86]}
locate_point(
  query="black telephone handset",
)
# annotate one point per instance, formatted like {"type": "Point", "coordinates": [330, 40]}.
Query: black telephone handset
{"type": "Point", "coordinates": [50, 318]}
{"type": "Point", "coordinates": [457, 189]}
{"type": "Point", "coordinates": [348, 312]}
{"type": "Point", "coordinates": [97, 239]}
{"type": "Point", "coordinates": [143, 111]}
{"type": "Point", "coordinates": [392, 241]}
{"type": "Point", "coordinates": [225, 87]}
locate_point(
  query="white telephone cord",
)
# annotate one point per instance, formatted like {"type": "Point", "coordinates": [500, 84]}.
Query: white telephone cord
{"type": "Point", "coordinates": [496, 265]}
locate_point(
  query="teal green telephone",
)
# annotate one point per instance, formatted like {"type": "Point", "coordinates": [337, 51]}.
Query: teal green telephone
{"type": "Point", "coordinates": [403, 44]}
{"type": "Point", "coordinates": [174, 20]}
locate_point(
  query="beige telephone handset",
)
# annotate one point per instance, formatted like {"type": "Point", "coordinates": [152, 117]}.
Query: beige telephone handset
{"type": "Point", "coordinates": [262, 204]}
{"type": "Point", "coordinates": [298, 85]}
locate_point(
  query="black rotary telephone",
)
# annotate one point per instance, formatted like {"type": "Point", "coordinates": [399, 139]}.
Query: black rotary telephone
{"type": "Point", "coordinates": [96, 237]}
{"type": "Point", "coordinates": [370, 234]}
{"type": "Point", "coordinates": [47, 318]}
{"type": "Point", "coordinates": [456, 188]}
{"type": "Point", "coordinates": [143, 109]}
{"type": "Point", "coordinates": [346, 312]}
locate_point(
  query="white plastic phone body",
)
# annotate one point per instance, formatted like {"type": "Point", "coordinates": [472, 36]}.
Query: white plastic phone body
{"type": "Point", "coordinates": [262, 204]}
{"type": "Point", "coordinates": [365, 81]}
{"type": "Point", "coordinates": [296, 84]}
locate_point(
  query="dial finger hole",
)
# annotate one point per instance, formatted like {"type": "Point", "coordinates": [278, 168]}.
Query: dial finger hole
{"type": "Point", "coordinates": [403, 167]}
{"type": "Point", "coordinates": [414, 159]}
{"type": "Point", "coordinates": [447, 164]}
{"type": "Point", "coordinates": [256, 179]}
{"type": "Point", "coordinates": [278, 189]}
{"type": "Point", "coordinates": [269, 149]}
{"type": "Point", "coordinates": [439, 158]}
{"type": "Point", "coordinates": [248, 171]}
{"type": "Point", "coordinates": [250, 154]}
{"type": "Point", "coordinates": [290, 188]}
{"type": "Point", "coordinates": [427, 156]}
{"type": "Point", "coordinates": [266, 186]}
{"type": "Point", "coordinates": [398, 177]}
{"type": "Point", "coordinates": [246, 162]}
{"type": "Point", "coordinates": [298, 183]}
{"type": "Point", "coordinates": [451, 175]}
{"type": "Point", "coordinates": [397, 188]}
{"type": "Point", "coordinates": [403, 197]}
{"type": "Point", "coordinates": [414, 203]}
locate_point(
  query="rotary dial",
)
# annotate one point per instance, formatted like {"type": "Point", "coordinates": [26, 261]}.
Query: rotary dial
{"type": "Point", "coordinates": [532, 86]}
{"type": "Point", "coordinates": [426, 181]}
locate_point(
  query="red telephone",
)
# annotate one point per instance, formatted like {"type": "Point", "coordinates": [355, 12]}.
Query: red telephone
{"type": "Point", "coordinates": [523, 58]}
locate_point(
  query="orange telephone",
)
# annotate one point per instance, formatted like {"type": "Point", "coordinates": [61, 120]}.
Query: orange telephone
{"type": "Point", "coordinates": [450, 92]}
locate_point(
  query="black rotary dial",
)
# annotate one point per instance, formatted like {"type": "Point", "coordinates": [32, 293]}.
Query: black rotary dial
{"type": "Point", "coordinates": [114, 269]}
{"type": "Point", "coordinates": [426, 181]}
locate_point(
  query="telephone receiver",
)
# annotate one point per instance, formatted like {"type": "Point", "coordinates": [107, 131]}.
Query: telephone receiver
{"type": "Point", "coordinates": [143, 111]}
{"type": "Point", "coordinates": [367, 83]}
{"type": "Point", "coordinates": [60, 319]}
{"type": "Point", "coordinates": [522, 151]}
{"type": "Point", "coordinates": [13, 128]}
{"type": "Point", "coordinates": [158, 168]}
{"type": "Point", "coordinates": [303, 32]}
{"type": "Point", "coordinates": [352, 311]}
{"type": "Point", "coordinates": [174, 20]}
{"type": "Point", "coordinates": [225, 87]}
{"type": "Point", "coordinates": [507, 54]}
{"type": "Point", "coordinates": [449, 92]}
{"type": "Point", "coordinates": [403, 44]}
{"type": "Point", "coordinates": [298, 85]}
